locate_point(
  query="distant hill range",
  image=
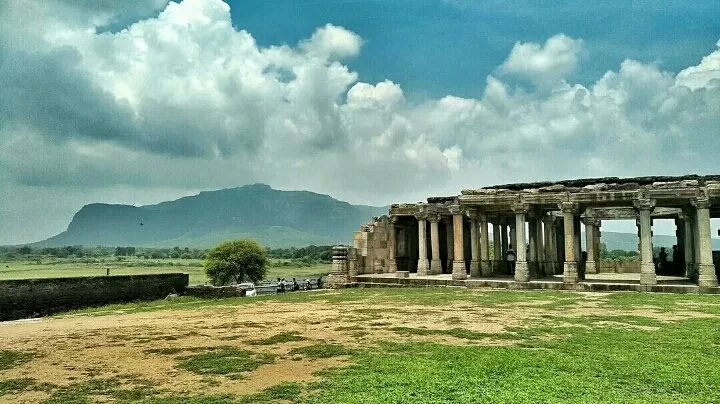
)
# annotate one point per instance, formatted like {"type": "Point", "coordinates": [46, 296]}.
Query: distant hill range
{"type": "Point", "coordinates": [272, 217]}
{"type": "Point", "coordinates": [629, 241]}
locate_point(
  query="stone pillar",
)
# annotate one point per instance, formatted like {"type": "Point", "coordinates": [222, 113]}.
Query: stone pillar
{"type": "Point", "coordinates": [458, 267]}
{"type": "Point", "coordinates": [423, 268]}
{"type": "Point", "coordinates": [474, 244]}
{"type": "Point", "coordinates": [497, 248]}
{"type": "Point", "coordinates": [570, 267]}
{"type": "Point", "coordinates": [706, 269]}
{"type": "Point", "coordinates": [591, 245]}
{"type": "Point", "coordinates": [540, 246]}
{"type": "Point", "coordinates": [392, 244]}
{"type": "Point", "coordinates": [647, 267]}
{"type": "Point", "coordinates": [435, 263]}
{"type": "Point", "coordinates": [450, 242]}
{"type": "Point", "coordinates": [550, 245]}
{"type": "Point", "coordinates": [598, 236]}
{"type": "Point", "coordinates": [485, 269]}
{"type": "Point", "coordinates": [503, 239]}
{"type": "Point", "coordinates": [339, 274]}
{"type": "Point", "coordinates": [532, 247]}
{"type": "Point", "coordinates": [522, 272]}
{"type": "Point", "coordinates": [352, 259]}
{"type": "Point", "coordinates": [689, 239]}
{"type": "Point", "coordinates": [513, 235]}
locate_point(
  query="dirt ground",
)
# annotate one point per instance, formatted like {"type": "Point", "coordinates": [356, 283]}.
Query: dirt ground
{"type": "Point", "coordinates": [74, 348]}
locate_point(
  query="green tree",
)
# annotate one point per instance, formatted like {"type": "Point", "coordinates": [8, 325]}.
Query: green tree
{"type": "Point", "coordinates": [237, 261]}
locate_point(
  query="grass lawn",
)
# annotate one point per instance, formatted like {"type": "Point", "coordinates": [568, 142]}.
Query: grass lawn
{"type": "Point", "coordinates": [435, 345]}
{"type": "Point", "coordinates": [30, 269]}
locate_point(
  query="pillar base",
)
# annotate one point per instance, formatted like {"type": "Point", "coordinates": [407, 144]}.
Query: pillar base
{"type": "Point", "coordinates": [570, 272]}
{"type": "Point", "coordinates": [707, 277]}
{"type": "Point", "coordinates": [522, 271]}
{"type": "Point", "coordinates": [423, 268]}
{"type": "Point", "coordinates": [591, 267]}
{"type": "Point", "coordinates": [647, 274]}
{"type": "Point", "coordinates": [458, 270]}
{"type": "Point", "coordinates": [392, 266]}
{"type": "Point", "coordinates": [474, 269]}
{"type": "Point", "coordinates": [337, 281]}
{"type": "Point", "coordinates": [485, 268]}
{"type": "Point", "coordinates": [435, 267]}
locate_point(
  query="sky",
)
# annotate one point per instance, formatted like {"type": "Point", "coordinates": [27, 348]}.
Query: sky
{"type": "Point", "coordinates": [369, 101]}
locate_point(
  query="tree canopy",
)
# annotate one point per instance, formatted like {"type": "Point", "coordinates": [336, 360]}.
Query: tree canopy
{"type": "Point", "coordinates": [238, 260]}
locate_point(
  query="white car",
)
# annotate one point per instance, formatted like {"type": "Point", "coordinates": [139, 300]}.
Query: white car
{"type": "Point", "coordinates": [249, 289]}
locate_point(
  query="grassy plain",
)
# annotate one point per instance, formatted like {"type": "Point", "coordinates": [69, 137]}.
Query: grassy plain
{"type": "Point", "coordinates": [436, 345]}
{"type": "Point", "coordinates": [72, 268]}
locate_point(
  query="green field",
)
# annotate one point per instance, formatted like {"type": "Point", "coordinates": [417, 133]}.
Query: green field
{"type": "Point", "coordinates": [433, 345]}
{"type": "Point", "coordinates": [72, 268]}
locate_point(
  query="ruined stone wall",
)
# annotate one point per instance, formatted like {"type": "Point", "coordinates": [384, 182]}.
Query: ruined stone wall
{"type": "Point", "coordinates": [371, 243]}
{"type": "Point", "coordinates": [26, 298]}
{"type": "Point", "coordinates": [619, 267]}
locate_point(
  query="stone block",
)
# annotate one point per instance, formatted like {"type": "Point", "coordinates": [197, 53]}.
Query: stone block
{"type": "Point", "coordinates": [402, 274]}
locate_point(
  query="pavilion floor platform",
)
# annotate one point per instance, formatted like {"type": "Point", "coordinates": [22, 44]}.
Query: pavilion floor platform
{"type": "Point", "coordinates": [592, 283]}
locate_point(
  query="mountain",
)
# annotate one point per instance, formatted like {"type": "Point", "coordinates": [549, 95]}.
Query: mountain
{"type": "Point", "coordinates": [272, 217]}
{"type": "Point", "coordinates": [629, 241]}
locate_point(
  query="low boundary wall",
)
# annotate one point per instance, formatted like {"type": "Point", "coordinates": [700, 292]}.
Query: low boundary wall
{"type": "Point", "coordinates": [25, 298]}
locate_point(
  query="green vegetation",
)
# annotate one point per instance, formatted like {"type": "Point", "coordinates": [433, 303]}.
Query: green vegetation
{"type": "Point", "coordinates": [279, 339]}
{"type": "Point", "coordinates": [236, 261]}
{"type": "Point", "coordinates": [97, 261]}
{"type": "Point", "coordinates": [323, 350]}
{"type": "Point", "coordinates": [454, 332]}
{"type": "Point", "coordinates": [15, 385]}
{"type": "Point", "coordinates": [227, 361]}
{"type": "Point", "coordinates": [616, 348]}
{"type": "Point", "coordinates": [10, 359]}
{"type": "Point", "coordinates": [285, 392]}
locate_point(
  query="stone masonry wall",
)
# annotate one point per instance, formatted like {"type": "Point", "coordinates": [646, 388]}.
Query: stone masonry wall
{"type": "Point", "coordinates": [371, 243]}
{"type": "Point", "coordinates": [39, 297]}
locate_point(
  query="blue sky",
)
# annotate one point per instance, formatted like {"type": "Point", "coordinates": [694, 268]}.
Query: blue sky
{"type": "Point", "coordinates": [439, 47]}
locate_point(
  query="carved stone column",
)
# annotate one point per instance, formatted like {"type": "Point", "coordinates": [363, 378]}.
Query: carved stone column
{"type": "Point", "coordinates": [435, 263]}
{"type": "Point", "coordinates": [591, 244]}
{"type": "Point", "coordinates": [550, 245]}
{"type": "Point", "coordinates": [522, 272]}
{"type": "Point", "coordinates": [497, 247]}
{"type": "Point", "coordinates": [570, 267]}
{"type": "Point", "coordinates": [539, 245]}
{"type": "Point", "coordinates": [423, 268]}
{"type": "Point", "coordinates": [647, 267]}
{"type": "Point", "coordinates": [689, 242]}
{"type": "Point", "coordinates": [392, 244]}
{"type": "Point", "coordinates": [474, 244]}
{"type": "Point", "coordinates": [450, 243]}
{"type": "Point", "coordinates": [458, 267]}
{"type": "Point", "coordinates": [532, 257]}
{"type": "Point", "coordinates": [485, 268]}
{"type": "Point", "coordinates": [706, 269]}
{"type": "Point", "coordinates": [339, 276]}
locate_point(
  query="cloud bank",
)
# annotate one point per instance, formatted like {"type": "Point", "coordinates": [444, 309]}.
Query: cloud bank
{"type": "Point", "coordinates": [183, 100]}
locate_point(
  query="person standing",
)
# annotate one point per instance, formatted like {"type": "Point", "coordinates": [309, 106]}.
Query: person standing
{"type": "Point", "coordinates": [510, 256]}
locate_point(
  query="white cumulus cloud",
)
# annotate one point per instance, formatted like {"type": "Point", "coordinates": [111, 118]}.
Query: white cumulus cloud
{"type": "Point", "coordinates": [182, 100]}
